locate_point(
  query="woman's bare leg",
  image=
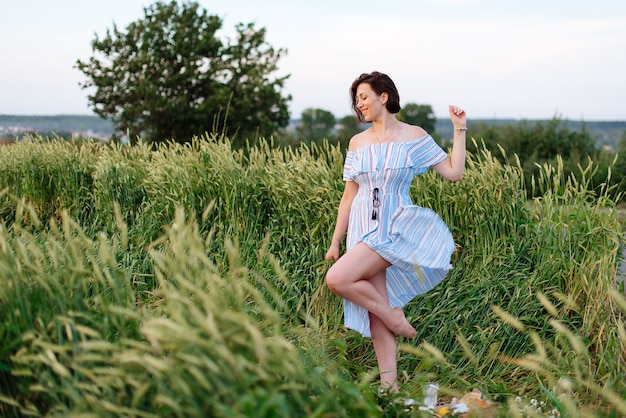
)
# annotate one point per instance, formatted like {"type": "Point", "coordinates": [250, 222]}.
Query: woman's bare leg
{"type": "Point", "coordinates": [350, 278]}
{"type": "Point", "coordinates": [384, 340]}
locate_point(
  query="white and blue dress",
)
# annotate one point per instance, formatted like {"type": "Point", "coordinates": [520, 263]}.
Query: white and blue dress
{"type": "Point", "coordinates": [415, 240]}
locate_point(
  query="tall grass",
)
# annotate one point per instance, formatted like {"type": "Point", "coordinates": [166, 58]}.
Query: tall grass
{"type": "Point", "coordinates": [207, 344]}
{"type": "Point", "coordinates": [187, 280]}
{"type": "Point", "coordinates": [57, 175]}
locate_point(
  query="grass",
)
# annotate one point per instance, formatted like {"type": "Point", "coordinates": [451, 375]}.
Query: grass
{"type": "Point", "coordinates": [188, 281]}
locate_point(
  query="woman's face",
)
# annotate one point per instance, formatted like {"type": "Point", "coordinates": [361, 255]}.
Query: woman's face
{"type": "Point", "coordinates": [369, 103]}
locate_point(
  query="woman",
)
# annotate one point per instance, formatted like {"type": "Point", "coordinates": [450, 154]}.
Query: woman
{"type": "Point", "coordinates": [395, 250]}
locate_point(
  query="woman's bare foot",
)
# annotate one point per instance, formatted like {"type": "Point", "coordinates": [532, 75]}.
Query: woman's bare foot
{"type": "Point", "coordinates": [400, 324]}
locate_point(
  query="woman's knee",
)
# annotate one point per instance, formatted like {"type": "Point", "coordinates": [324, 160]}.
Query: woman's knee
{"type": "Point", "coordinates": [334, 280]}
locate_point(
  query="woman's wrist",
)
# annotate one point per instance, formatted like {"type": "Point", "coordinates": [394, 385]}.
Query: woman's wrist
{"type": "Point", "coordinates": [461, 128]}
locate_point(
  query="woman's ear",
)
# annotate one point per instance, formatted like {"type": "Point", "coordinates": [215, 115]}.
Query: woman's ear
{"type": "Point", "coordinates": [384, 97]}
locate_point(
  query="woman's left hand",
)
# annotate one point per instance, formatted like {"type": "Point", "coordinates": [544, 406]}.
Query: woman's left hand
{"type": "Point", "coordinates": [458, 117]}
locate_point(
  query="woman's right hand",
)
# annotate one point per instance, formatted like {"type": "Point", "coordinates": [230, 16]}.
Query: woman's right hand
{"type": "Point", "coordinates": [333, 252]}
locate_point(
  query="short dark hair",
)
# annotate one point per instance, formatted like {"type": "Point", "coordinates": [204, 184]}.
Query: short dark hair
{"type": "Point", "coordinates": [380, 83]}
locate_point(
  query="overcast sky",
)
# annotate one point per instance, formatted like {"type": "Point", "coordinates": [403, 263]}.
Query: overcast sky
{"type": "Point", "coordinates": [532, 59]}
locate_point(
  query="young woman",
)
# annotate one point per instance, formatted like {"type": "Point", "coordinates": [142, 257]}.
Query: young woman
{"type": "Point", "coordinates": [395, 250]}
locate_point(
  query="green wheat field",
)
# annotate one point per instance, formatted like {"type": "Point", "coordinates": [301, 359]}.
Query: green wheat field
{"type": "Point", "coordinates": [188, 281]}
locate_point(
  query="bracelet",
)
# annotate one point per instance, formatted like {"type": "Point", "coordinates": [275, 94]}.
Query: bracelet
{"type": "Point", "coordinates": [461, 129]}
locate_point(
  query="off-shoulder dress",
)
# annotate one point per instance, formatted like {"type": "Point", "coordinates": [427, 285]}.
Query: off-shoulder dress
{"type": "Point", "coordinates": [415, 240]}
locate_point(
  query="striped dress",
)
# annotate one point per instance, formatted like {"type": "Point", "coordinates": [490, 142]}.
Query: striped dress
{"type": "Point", "coordinates": [415, 240]}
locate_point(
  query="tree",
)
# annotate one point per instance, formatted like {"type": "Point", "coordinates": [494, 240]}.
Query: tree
{"type": "Point", "coordinates": [317, 124]}
{"type": "Point", "coordinates": [170, 77]}
{"type": "Point", "coordinates": [420, 115]}
{"type": "Point", "coordinates": [349, 126]}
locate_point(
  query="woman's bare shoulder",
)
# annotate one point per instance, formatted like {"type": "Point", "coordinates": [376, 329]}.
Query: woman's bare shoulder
{"type": "Point", "coordinates": [359, 140]}
{"type": "Point", "coordinates": [413, 132]}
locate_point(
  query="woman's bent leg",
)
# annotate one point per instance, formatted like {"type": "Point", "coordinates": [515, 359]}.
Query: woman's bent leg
{"type": "Point", "coordinates": [350, 278]}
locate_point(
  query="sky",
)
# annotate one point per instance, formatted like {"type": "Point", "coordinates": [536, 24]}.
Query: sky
{"type": "Point", "coordinates": [498, 59]}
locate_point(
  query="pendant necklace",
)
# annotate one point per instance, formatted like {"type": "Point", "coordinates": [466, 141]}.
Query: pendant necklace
{"type": "Point", "coordinates": [385, 138]}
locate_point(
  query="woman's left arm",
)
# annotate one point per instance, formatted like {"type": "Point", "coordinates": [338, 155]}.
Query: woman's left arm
{"type": "Point", "coordinates": [453, 166]}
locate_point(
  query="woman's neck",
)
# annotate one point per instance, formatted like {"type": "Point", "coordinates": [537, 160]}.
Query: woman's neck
{"type": "Point", "coordinates": [384, 128]}
{"type": "Point", "coordinates": [385, 122]}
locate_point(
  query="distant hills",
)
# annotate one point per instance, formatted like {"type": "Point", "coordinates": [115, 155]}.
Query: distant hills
{"type": "Point", "coordinates": [60, 124]}
{"type": "Point", "coordinates": [604, 132]}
